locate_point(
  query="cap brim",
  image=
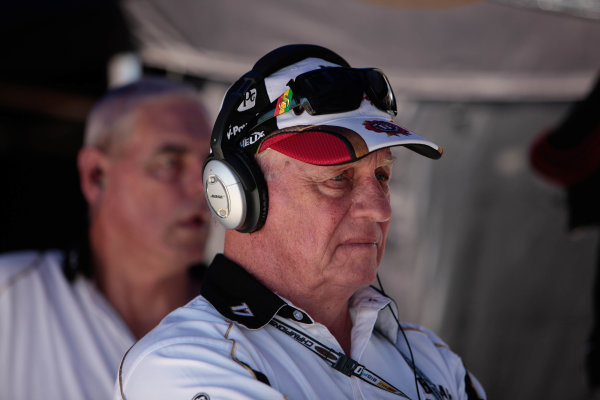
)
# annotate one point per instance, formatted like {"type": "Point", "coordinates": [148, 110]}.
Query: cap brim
{"type": "Point", "coordinates": [343, 140]}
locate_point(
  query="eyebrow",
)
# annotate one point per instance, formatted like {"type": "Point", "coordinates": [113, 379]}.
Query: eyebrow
{"type": "Point", "coordinates": [172, 148]}
{"type": "Point", "coordinates": [389, 160]}
{"type": "Point", "coordinates": [178, 149]}
{"type": "Point", "coordinates": [336, 169]}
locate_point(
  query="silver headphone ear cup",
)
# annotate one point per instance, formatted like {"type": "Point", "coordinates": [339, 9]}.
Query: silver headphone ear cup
{"type": "Point", "coordinates": [224, 194]}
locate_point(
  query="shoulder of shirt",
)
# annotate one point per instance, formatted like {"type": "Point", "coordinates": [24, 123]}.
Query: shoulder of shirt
{"type": "Point", "coordinates": [17, 265]}
{"type": "Point", "coordinates": [415, 330]}
{"type": "Point", "coordinates": [197, 310]}
{"type": "Point", "coordinates": [186, 322]}
{"type": "Point", "coordinates": [198, 322]}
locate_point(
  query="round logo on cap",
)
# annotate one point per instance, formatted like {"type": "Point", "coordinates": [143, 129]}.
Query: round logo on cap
{"type": "Point", "coordinates": [385, 127]}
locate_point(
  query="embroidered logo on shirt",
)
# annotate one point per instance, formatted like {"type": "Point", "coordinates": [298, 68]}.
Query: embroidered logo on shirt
{"type": "Point", "coordinates": [201, 396]}
{"type": "Point", "coordinates": [242, 310]}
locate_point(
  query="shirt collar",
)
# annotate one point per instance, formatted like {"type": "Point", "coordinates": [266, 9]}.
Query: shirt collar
{"type": "Point", "coordinates": [238, 296]}
{"type": "Point", "coordinates": [371, 298]}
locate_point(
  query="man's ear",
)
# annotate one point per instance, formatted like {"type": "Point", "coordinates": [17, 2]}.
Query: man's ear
{"type": "Point", "coordinates": [92, 164]}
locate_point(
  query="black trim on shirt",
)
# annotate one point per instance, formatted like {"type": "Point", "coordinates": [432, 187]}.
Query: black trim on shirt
{"type": "Point", "coordinates": [240, 297]}
{"type": "Point", "coordinates": [472, 393]}
{"type": "Point", "coordinates": [77, 260]}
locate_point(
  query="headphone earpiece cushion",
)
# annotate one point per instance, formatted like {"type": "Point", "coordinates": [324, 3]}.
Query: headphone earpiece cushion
{"type": "Point", "coordinates": [258, 207]}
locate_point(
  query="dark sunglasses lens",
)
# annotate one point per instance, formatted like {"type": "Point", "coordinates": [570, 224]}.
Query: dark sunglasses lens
{"type": "Point", "coordinates": [330, 91]}
{"type": "Point", "coordinates": [379, 90]}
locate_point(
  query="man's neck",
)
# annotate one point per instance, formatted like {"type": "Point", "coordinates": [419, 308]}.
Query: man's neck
{"type": "Point", "coordinates": [338, 322]}
{"type": "Point", "coordinates": [328, 306]}
{"type": "Point", "coordinates": [141, 289]}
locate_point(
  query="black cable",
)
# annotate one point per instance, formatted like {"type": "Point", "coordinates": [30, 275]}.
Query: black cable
{"type": "Point", "coordinates": [412, 358]}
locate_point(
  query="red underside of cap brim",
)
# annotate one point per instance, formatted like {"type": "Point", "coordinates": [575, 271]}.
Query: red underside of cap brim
{"type": "Point", "coordinates": [317, 148]}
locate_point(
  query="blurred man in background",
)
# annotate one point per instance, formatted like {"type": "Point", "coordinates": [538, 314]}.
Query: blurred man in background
{"type": "Point", "coordinates": [67, 317]}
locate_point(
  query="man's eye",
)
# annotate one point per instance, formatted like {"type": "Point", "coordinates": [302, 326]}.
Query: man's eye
{"type": "Point", "coordinates": [339, 182]}
{"type": "Point", "coordinates": [382, 176]}
{"type": "Point", "coordinates": [170, 162]}
{"type": "Point", "coordinates": [167, 166]}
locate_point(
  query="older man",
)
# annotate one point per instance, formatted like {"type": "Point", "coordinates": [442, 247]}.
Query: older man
{"type": "Point", "coordinates": [299, 175]}
{"type": "Point", "coordinates": [67, 318]}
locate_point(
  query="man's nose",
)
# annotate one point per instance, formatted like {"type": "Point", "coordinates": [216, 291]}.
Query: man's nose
{"type": "Point", "coordinates": [371, 199]}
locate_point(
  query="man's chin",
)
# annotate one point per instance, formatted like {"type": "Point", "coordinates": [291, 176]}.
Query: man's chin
{"type": "Point", "coordinates": [189, 252]}
{"type": "Point", "coordinates": [359, 273]}
{"type": "Point", "coordinates": [366, 257]}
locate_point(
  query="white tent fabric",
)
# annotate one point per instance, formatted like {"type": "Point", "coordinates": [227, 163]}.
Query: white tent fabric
{"type": "Point", "coordinates": [487, 51]}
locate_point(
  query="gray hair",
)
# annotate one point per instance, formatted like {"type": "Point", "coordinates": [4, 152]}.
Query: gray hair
{"type": "Point", "coordinates": [110, 119]}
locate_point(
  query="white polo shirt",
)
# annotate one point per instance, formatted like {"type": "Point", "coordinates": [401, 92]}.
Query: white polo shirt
{"type": "Point", "coordinates": [58, 339]}
{"type": "Point", "coordinates": [241, 341]}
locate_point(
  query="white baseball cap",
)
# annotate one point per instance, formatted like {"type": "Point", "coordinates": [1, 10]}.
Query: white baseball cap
{"type": "Point", "coordinates": [330, 139]}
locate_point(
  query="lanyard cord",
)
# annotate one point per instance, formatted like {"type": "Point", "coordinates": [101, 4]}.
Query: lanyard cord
{"type": "Point", "coordinates": [420, 377]}
{"type": "Point", "coordinates": [425, 382]}
{"type": "Point", "coordinates": [412, 358]}
{"type": "Point", "coordinates": [336, 360]}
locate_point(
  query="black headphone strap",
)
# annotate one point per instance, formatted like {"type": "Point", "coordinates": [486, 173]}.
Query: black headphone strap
{"type": "Point", "coordinates": [291, 54]}
{"type": "Point", "coordinates": [234, 96]}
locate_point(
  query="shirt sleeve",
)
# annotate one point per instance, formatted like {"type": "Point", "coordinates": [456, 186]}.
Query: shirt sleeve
{"type": "Point", "coordinates": [439, 354]}
{"type": "Point", "coordinates": [188, 368]}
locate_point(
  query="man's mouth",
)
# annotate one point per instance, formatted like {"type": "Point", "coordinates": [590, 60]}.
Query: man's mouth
{"type": "Point", "coordinates": [194, 222]}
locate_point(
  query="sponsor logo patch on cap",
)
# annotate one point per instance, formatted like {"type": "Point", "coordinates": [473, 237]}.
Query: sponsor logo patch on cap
{"type": "Point", "coordinates": [386, 127]}
{"type": "Point", "coordinates": [283, 102]}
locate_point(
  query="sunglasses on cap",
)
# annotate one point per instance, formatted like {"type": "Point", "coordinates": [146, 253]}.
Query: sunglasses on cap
{"type": "Point", "coordinates": [333, 90]}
